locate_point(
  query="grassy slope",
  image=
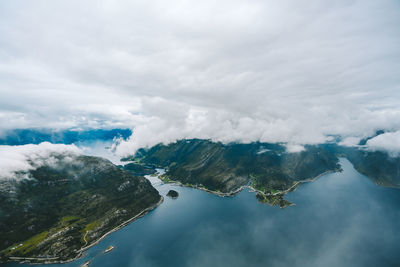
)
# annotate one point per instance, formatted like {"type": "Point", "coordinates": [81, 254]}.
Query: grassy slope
{"type": "Point", "coordinates": [49, 215]}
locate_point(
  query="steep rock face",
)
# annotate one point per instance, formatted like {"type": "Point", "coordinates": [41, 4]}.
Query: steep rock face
{"type": "Point", "coordinates": [226, 168]}
{"type": "Point", "coordinates": [63, 207]}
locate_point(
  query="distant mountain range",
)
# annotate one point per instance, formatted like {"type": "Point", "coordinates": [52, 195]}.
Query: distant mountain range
{"type": "Point", "coordinates": [68, 136]}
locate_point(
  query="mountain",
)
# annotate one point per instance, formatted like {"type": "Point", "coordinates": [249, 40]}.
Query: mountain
{"type": "Point", "coordinates": [365, 140]}
{"type": "Point", "coordinates": [68, 136]}
{"type": "Point", "coordinates": [224, 169]}
{"type": "Point", "coordinates": [381, 167]}
{"type": "Point", "coordinates": [67, 205]}
{"type": "Point", "coordinates": [55, 211]}
{"type": "Point", "coordinates": [138, 169]}
{"type": "Point", "coordinates": [268, 168]}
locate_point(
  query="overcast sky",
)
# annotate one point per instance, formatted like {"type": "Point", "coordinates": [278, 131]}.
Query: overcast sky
{"type": "Point", "coordinates": [288, 71]}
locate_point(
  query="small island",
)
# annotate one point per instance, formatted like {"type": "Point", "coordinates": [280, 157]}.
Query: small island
{"type": "Point", "coordinates": [108, 249]}
{"type": "Point", "coordinates": [172, 194]}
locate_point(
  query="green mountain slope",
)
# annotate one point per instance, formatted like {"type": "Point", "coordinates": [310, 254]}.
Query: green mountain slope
{"type": "Point", "coordinates": [225, 168]}
{"type": "Point", "coordinates": [382, 168]}
{"type": "Point", "coordinates": [67, 206]}
{"type": "Point", "coordinates": [268, 168]}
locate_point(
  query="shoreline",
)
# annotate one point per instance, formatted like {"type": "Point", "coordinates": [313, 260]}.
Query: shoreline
{"type": "Point", "coordinates": [125, 223]}
{"type": "Point", "coordinates": [218, 193]}
{"type": "Point", "coordinates": [152, 207]}
{"type": "Point", "coordinates": [252, 189]}
{"type": "Point", "coordinates": [86, 247]}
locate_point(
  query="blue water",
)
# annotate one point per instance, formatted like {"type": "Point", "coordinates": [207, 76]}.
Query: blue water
{"type": "Point", "coordinates": [342, 219]}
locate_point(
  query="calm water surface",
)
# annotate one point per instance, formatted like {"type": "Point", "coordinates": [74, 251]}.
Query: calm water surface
{"type": "Point", "coordinates": [342, 219]}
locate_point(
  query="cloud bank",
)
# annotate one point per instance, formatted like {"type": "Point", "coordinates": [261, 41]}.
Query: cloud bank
{"type": "Point", "coordinates": [268, 71]}
{"type": "Point", "coordinates": [16, 161]}
{"type": "Point", "coordinates": [389, 142]}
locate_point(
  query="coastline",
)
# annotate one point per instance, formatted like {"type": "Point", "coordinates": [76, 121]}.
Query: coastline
{"type": "Point", "coordinates": [123, 224]}
{"type": "Point", "coordinates": [86, 247]}
{"type": "Point", "coordinates": [81, 251]}
{"type": "Point", "coordinates": [252, 189]}
{"type": "Point", "coordinates": [218, 193]}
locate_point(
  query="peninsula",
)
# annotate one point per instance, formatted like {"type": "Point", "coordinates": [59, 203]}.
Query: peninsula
{"type": "Point", "coordinates": [66, 207]}
{"type": "Point", "coordinates": [268, 169]}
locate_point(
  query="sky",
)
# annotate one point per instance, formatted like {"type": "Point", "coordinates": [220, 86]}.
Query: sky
{"type": "Point", "coordinates": [230, 71]}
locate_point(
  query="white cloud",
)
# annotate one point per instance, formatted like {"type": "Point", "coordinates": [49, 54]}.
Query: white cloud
{"type": "Point", "coordinates": [293, 148]}
{"type": "Point", "coordinates": [21, 159]}
{"type": "Point", "coordinates": [350, 141]}
{"type": "Point", "coordinates": [386, 142]}
{"type": "Point", "coordinates": [226, 70]}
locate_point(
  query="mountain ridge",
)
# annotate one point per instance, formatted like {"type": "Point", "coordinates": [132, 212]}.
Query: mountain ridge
{"type": "Point", "coordinates": [66, 207]}
{"type": "Point", "coordinates": [268, 168]}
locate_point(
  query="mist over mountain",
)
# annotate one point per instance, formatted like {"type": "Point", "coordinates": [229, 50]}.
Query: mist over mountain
{"type": "Point", "coordinates": [105, 104]}
{"type": "Point", "coordinates": [18, 161]}
{"type": "Point", "coordinates": [229, 71]}
{"type": "Point", "coordinates": [54, 201]}
{"type": "Point", "coordinates": [270, 169]}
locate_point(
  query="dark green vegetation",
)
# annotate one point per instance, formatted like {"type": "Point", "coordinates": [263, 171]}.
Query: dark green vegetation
{"type": "Point", "coordinates": [67, 206]}
{"type": "Point", "coordinates": [273, 199]}
{"type": "Point", "coordinates": [382, 168]}
{"type": "Point", "coordinates": [74, 201]}
{"type": "Point", "coordinates": [37, 136]}
{"type": "Point", "coordinates": [226, 168]}
{"type": "Point", "coordinates": [138, 169]}
{"type": "Point", "coordinates": [268, 168]}
{"type": "Point", "coordinates": [172, 194]}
